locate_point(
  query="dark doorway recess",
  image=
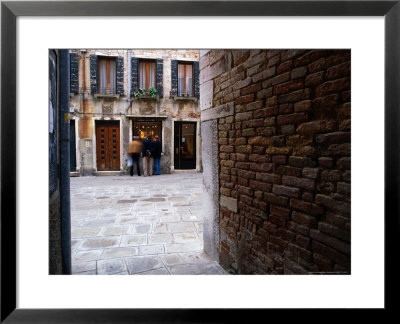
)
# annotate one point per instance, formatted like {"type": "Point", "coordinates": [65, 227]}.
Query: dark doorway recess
{"type": "Point", "coordinates": [185, 145]}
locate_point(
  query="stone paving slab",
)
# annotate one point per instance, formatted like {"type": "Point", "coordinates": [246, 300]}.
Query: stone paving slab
{"type": "Point", "coordinates": [123, 225]}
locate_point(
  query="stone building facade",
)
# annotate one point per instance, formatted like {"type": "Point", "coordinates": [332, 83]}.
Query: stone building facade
{"type": "Point", "coordinates": [108, 107]}
{"type": "Point", "coordinates": [280, 124]}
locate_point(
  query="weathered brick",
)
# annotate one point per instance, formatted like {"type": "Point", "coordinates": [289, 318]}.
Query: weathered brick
{"type": "Point", "coordinates": [331, 253]}
{"type": "Point", "coordinates": [331, 175]}
{"type": "Point", "coordinates": [264, 93]}
{"type": "Point", "coordinates": [284, 67]}
{"type": "Point", "coordinates": [288, 129]}
{"type": "Point", "coordinates": [254, 105]}
{"type": "Point", "coordinates": [278, 141]}
{"type": "Point", "coordinates": [268, 177]}
{"type": "Point", "coordinates": [250, 89]}
{"type": "Point", "coordinates": [344, 163]}
{"type": "Point", "coordinates": [288, 87]}
{"type": "Point", "coordinates": [334, 231]}
{"type": "Point", "coordinates": [257, 185]}
{"type": "Point", "coordinates": [304, 219]}
{"type": "Point", "coordinates": [280, 211]}
{"type": "Point", "coordinates": [285, 109]}
{"type": "Point", "coordinates": [245, 149]}
{"type": "Point", "coordinates": [325, 162]}
{"type": "Point", "coordinates": [298, 73]}
{"type": "Point", "coordinates": [314, 79]}
{"type": "Point", "coordinates": [332, 86]}
{"type": "Point", "coordinates": [288, 170]}
{"type": "Point", "coordinates": [340, 149]}
{"type": "Point", "coordinates": [262, 167]}
{"type": "Point", "coordinates": [302, 106]}
{"type": "Point", "coordinates": [310, 56]}
{"type": "Point", "coordinates": [243, 116]}
{"type": "Point", "coordinates": [246, 200]}
{"type": "Point", "coordinates": [268, 73]}
{"type": "Point", "coordinates": [316, 126]}
{"type": "Point", "coordinates": [295, 96]}
{"type": "Point", "coordinates": [330, 241]}
{"type": "Point", "coordinates": [307, 196]}
{"type": "Point", "coordinates": [286, 191]}
{"type": "Point", "coordinates": [311, 173]}
{"type": "Point", "coordinates": [253, 123]}
{"type": "Point", "coordinates": [300, 252]}
{"type": "Point", "coordinates": [303, 241]}
{"type": "Point", "coordinates": [296, 161]}
{"type": "Point", "coordinates": [333, 138]}
{"type": "Point", "coordinates": [245, 190]}
{"type": "Point", "coordinates": [260, 158]}
{"type": "Point", "coordinates": [244, 99]}
{"type": "Point", "coordinates": [279, 160]}
{"type": "Point", "coordinates": [248, 132]}
{"type": "Point", "coordinates": [276, 200]}
{"type": "Point", "coordinates": [276, 80]}
{"type": "Point", "coordinates": [343, 188]}
{"type": "Point", "coordinates": [259, 140]}
{"type": "Point", "coordinates": [227, 148]}
{"type": "Point", "coordinates": [306, 207]}
{"type": "Point", "coordinates": [298, 182]}
{"type": "Point", "coordinates": [338, 71]}
{"type": "Point", "coordinates": [335, 205]}
{"type": "Point", "coordinates": [279, 150]}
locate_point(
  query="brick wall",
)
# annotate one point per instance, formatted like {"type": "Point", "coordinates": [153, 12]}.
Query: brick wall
{"type": "Point", "coordinates": [284, 158]}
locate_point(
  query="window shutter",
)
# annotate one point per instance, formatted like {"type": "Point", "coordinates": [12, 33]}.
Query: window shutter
{"type": "Point", "coordinates": [159, 77]}
{"type": "Point", "coordinates": [120, 75]}
{"type": "Point", "coordinates": [174, 78]}
{"type": "Point", "coordinates": [93, 73]}
{"type": "Point", "coordinates": [196, 79]}
{"type": "Point", "coordinates": [74, 73]}
{"type": "Point", "coordinates": [135, 74]}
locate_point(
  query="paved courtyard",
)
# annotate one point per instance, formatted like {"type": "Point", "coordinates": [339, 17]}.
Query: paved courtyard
{"type": "Point", "coordinates": [139, 225]}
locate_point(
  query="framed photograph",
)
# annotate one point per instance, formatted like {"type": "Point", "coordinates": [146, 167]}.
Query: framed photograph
{"type": "Point", "coordinates": [294, 41]}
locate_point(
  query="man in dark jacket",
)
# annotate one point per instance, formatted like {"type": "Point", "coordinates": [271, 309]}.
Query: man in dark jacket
{"type": "Point", "coordinates": [157, 149]}
{"type": "Point", "coordinates": [147, 157]}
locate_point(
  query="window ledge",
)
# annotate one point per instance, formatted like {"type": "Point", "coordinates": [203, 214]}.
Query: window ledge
{"type": "Point", "coordinates": [184, 98]}
{"type": "Point", "coordinates": [106, 96]}
{"type": "Point", "coordinates": [147, 98]}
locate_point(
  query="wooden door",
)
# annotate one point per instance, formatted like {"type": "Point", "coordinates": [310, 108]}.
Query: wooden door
{"type": "Point", "coordinates": [107, 146]}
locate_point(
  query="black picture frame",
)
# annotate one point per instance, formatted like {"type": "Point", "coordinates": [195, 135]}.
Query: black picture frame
{"type": "Point", "coordinates": [10, 10]}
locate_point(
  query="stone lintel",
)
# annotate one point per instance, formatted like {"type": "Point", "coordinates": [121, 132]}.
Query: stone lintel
{"type": "Point", "coordinates": [218, 112]}
{"type": "Point", "coordinates": [229, 203]}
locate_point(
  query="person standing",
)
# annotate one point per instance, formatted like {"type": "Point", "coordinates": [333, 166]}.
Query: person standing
{"type": "Point", "coordinates": [135, 148]}
{"type": "Point", "coordinates": [147, 157]}
{"type": "Point", "coordinates": [157, 149]}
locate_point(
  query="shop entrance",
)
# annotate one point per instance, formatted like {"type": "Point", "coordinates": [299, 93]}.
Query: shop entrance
{"type": "Point", "coordinates": [185, 145]}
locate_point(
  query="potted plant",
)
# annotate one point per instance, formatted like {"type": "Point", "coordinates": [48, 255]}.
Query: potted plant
{"type": "Point", "coordinates": [141, 93]}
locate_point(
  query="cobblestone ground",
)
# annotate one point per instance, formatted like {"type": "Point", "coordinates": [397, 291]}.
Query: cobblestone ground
{"type": "Point", "coordinates": [139, 225]}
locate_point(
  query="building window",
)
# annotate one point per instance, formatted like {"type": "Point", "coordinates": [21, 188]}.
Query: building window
{"type": "Point", "coordinates": [143, 128]}
{"type": "Point", "coordinates": [185, 79]}
{"type": "Point", "coordinates": [147, 74]}
{"type": "Point", "coordinates": [107, 75]}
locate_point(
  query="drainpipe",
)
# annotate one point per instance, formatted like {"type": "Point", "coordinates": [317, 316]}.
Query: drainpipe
{"type": "Point", "coordinates": [83, 79]}
{"type": "Point", "coordinates": [129, 81]}
{"type": "Point", "coordinates": [83, 51]}
{"type": "Point", "coordinates": [64, 162]}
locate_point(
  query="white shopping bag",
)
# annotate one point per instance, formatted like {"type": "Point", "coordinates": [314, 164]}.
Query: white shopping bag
{"type": "Point", "coordinates": [129, 162]}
